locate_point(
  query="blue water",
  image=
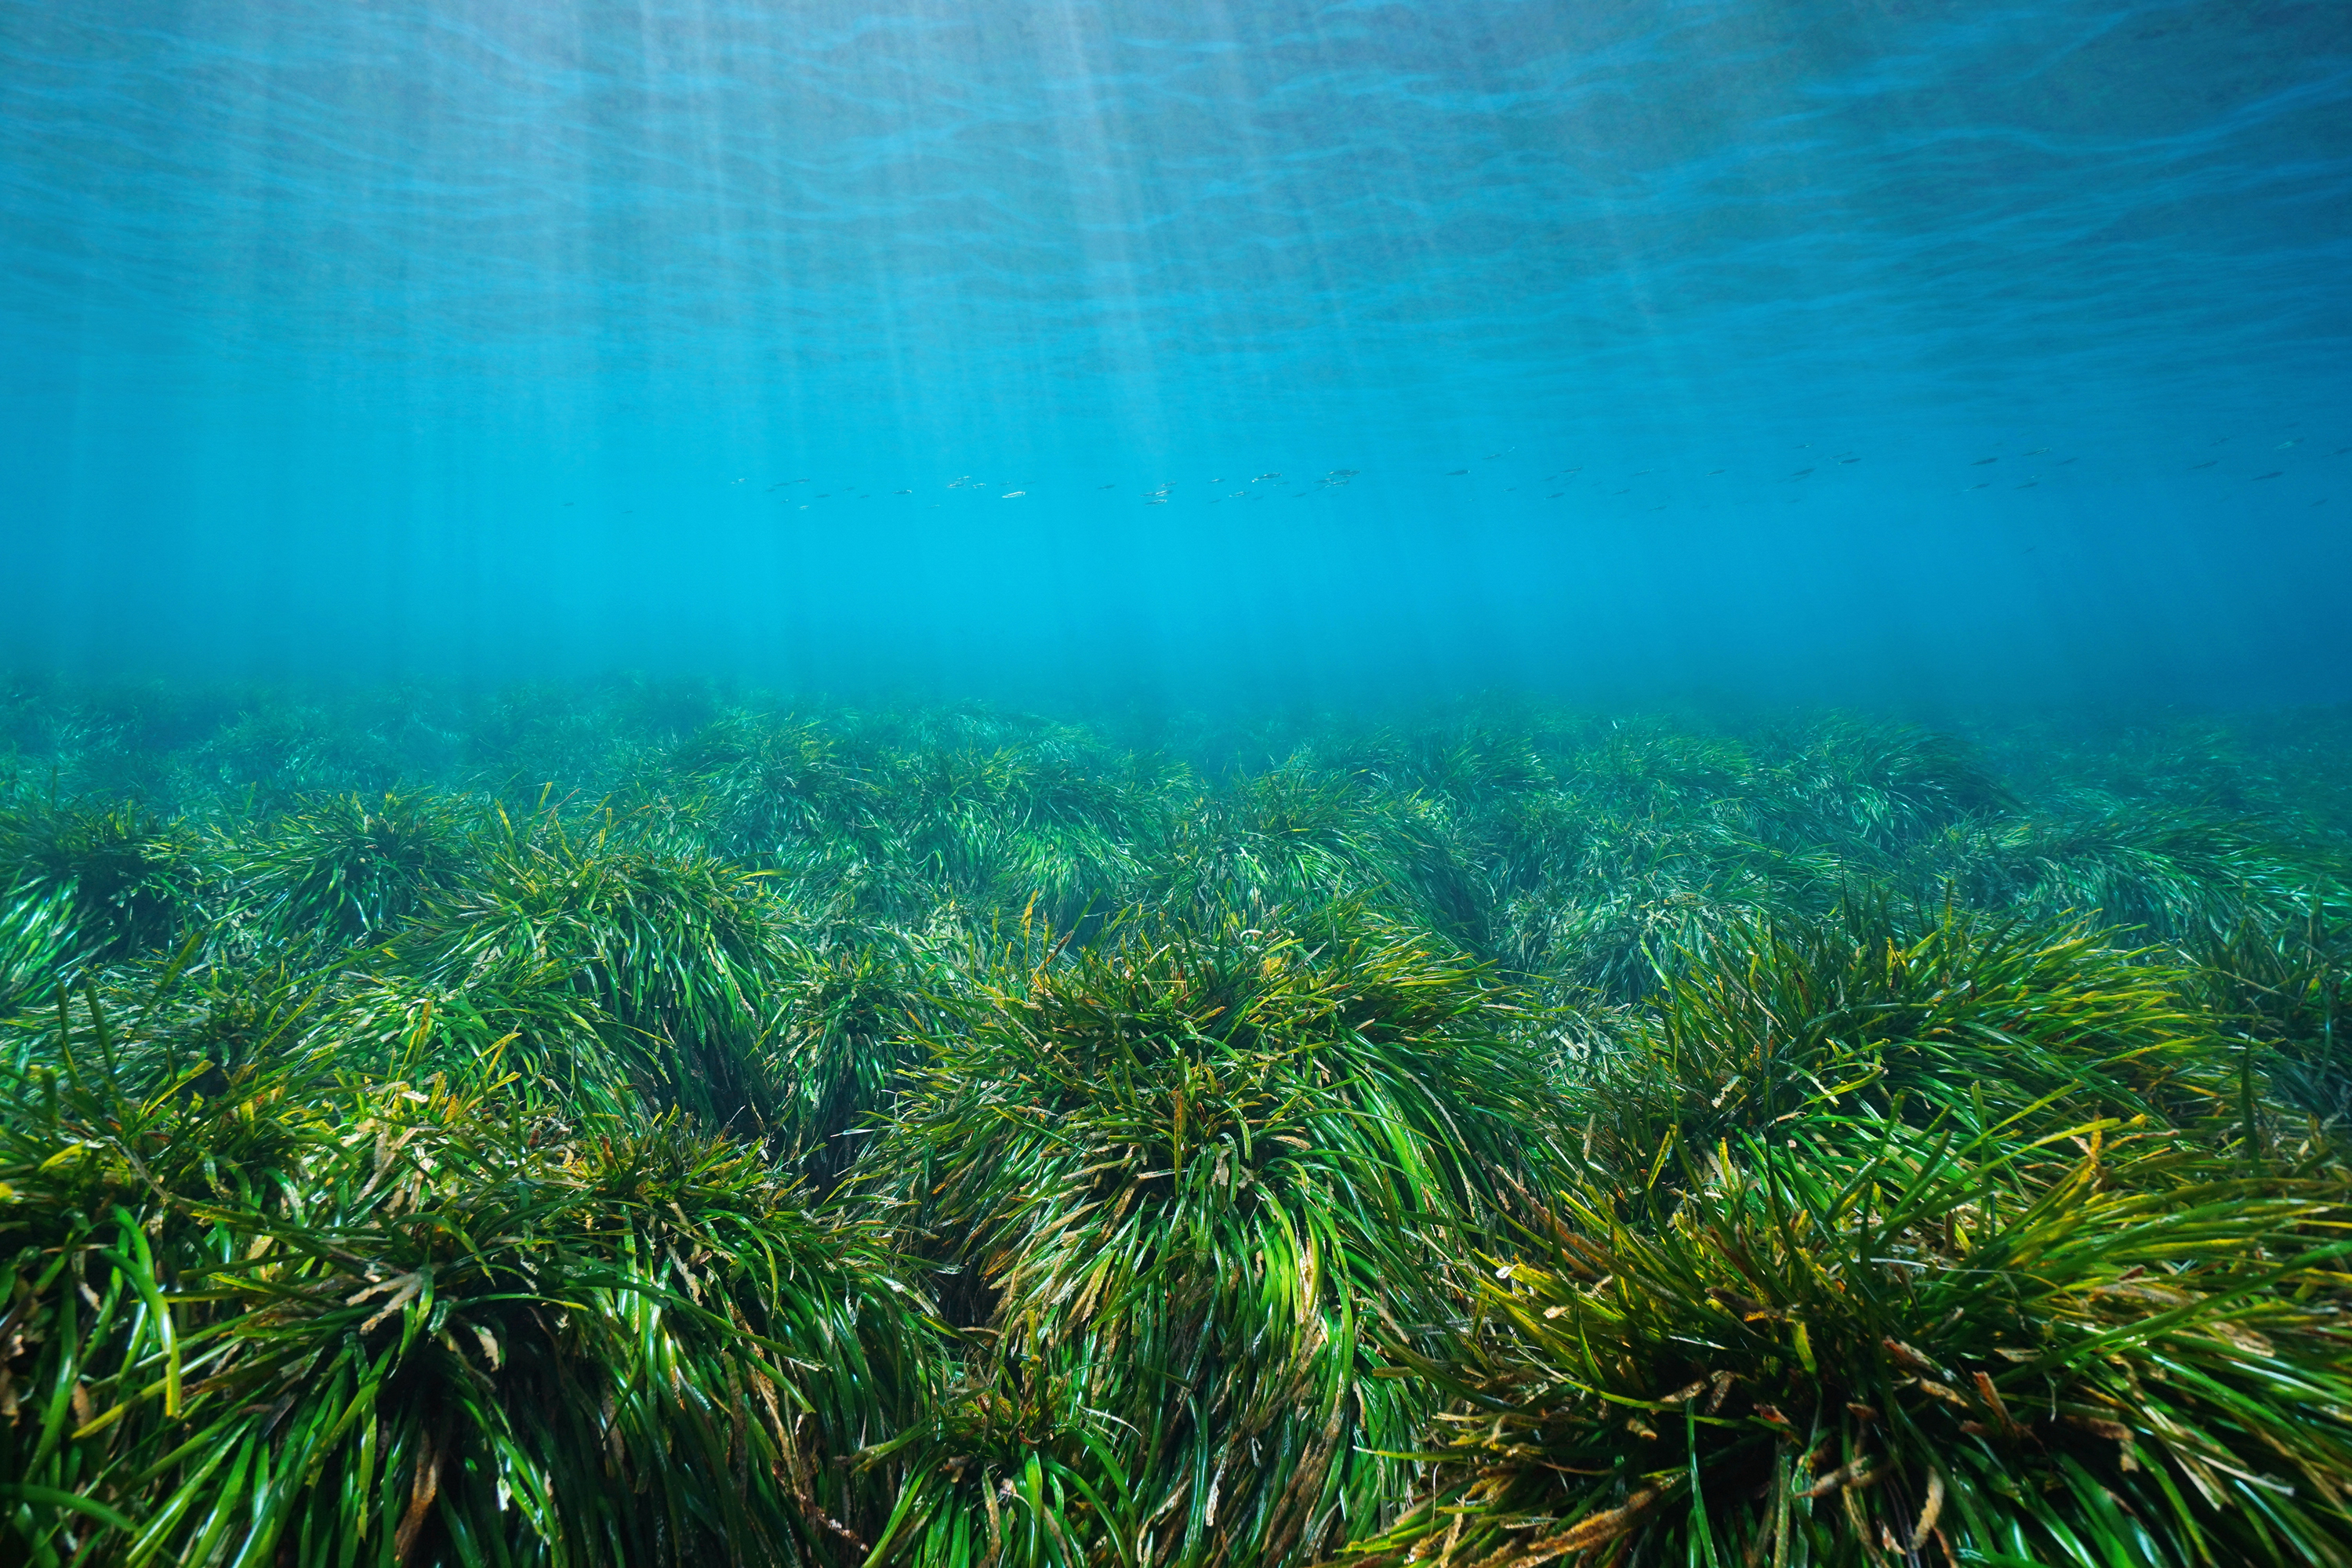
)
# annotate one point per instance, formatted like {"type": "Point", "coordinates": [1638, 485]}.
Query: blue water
{"type": "Point", "coordinates": [409, 339]}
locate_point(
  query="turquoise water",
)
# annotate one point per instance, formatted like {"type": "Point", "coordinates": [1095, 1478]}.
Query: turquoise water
{"type": "Point", "coordinates": [1122, 784]}
{"type": "Point", "coordinates": [1907, 353]}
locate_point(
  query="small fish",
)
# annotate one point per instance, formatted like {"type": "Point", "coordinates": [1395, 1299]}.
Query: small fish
{"type": "Point", "coordinates": [2282, 446]}
{"type": "Point", "coordinates": [567, 503]}
{"type": "Point", "coordinates": [1492, 455]}
{"type": "Point", "coordinates": [2274, 473]}
{"type": "Point", "coordinates": [1616, 492]}
{"type": "Point", "coordinates": [2064, 461]}
{"type": "Point", "coordinates": [1157, 500]}
{"type": "Point", "coordinates": [1343, 473]}
{"type": "Point", "coordinates": [1012, 495]}
{"type": "Point", "coordinates": [2340, 451]}
{"type": "Point", "coordinates": [1800, 473]}
{"type": "Point", "coordinates": [825, 495]}
{"type": "Point", "coordinates": [2037, 451]}
{"type": "Point", "coordinates": [1849, 459]}
{"type": "Point", "coordinates": [1098, 486]}
{"type": "Point", "coordinates": [2206, 464]}
{"type": "Point", "coordinates": [1263, 478]}
{"type": "Point", "coordinates": [1554, 495]}
{"type": "Point", "coordinates": [902, 492]}
{"type": "Point", "coordinates": [1637, 473]}
{"type": "Point", "coordinates": [1981, 487]}
{"type": "Point", "coordinates": [2029, 484]}
{"type": "Point", "coordinates": [1980, 462]}
{"type": "Point", "coordinates": [1455, 473]}
{"type": "Point", "coordinates": [1712, 472]}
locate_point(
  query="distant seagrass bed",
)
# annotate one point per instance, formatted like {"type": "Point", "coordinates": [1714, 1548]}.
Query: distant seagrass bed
{"type": "Point", "coordinates": [644, 1122]}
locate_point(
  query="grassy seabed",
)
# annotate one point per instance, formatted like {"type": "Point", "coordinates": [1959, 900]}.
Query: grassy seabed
{"type": "Point", "coordinates": [631, 1125]}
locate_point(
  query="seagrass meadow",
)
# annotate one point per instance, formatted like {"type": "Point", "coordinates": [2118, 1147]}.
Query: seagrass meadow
{"type": "Point", "coordinates": [648, 1123]}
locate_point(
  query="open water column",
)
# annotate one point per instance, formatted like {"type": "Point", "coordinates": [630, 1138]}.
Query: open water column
{"type": "Point", "coordinates": [1126, 785]}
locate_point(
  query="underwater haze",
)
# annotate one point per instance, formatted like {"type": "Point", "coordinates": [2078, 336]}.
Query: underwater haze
{"type": "Point", "coordinates": [1811, 351]}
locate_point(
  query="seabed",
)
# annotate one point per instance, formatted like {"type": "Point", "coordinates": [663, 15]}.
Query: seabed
{"type": "Point", "coordinates": [626, 1124]}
